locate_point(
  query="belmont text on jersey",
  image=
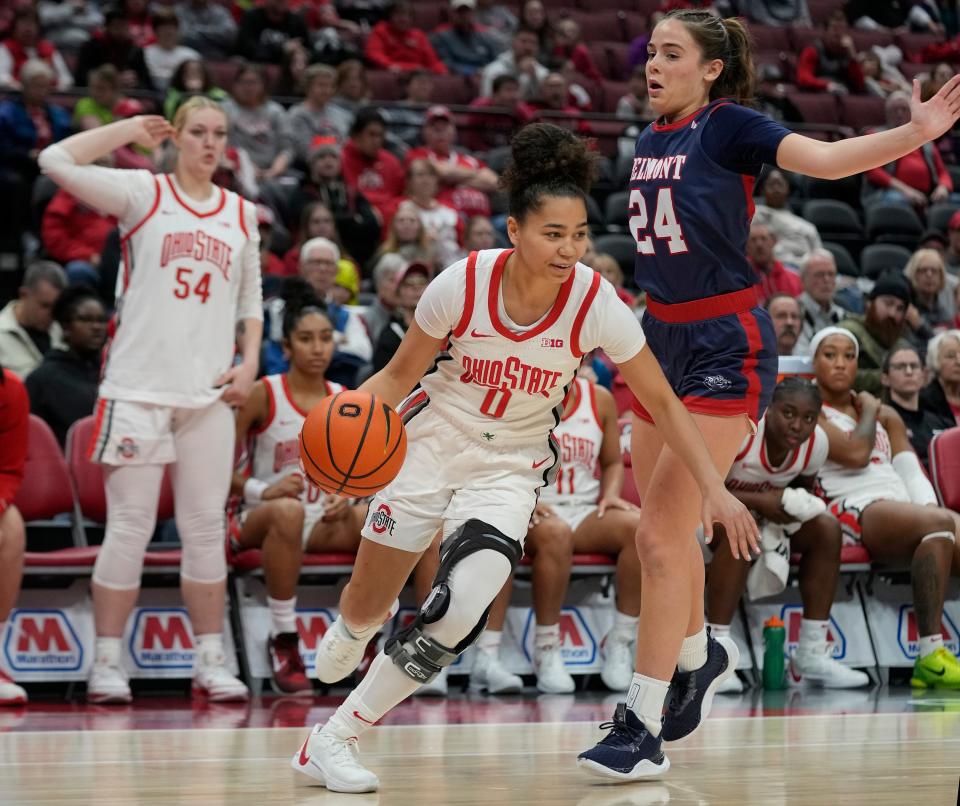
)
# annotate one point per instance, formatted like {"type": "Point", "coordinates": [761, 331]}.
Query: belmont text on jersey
{"type": "Point", "coordinates": [647, 168]}
{"type": "Point", "coordinates": [199, 246]}
{"type": "Point", "coordinates": [511, 374]}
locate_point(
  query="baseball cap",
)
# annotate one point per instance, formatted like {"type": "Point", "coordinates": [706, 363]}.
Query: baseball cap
{"type": "Point", "coordinates": [417, 267]}
{"type": "Point", "coordinates": [463, 4]}
{"type": "Point", "coordinates": [324, 143]}
{"type": "Point", "coordinates": [438, 112]}
{"type": "Point", "coordinates": [954, 222]}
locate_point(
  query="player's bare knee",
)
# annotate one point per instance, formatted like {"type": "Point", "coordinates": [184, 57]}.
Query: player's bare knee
{"type": "Point", "coordinates": [656, 550]}
{"type": "Point", "coordinates": [829, 536]}
{"type": "Point", "coordinates": [286, 515]}
{"type": "Point", "coordinates": [13, 536]}
{"type": "Point", "coordinates": [553, 541]}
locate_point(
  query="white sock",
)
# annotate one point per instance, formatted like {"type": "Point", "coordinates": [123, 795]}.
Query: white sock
{"type": "Point", "coordinates": [107, 651]}
{"type": "Point", "coordinates": [693, 651]}
{"type": "Point", "coordinates": [361, 634]}
{"type": "Point", "coordinates": [384, 686]}
{"type": "Point", "coordinates": [930, 644]}
{"type": "Point", "coordinates": [719, 630]}
{"type": "Point", "coordinates": [624, 626]}
{"type": "Point", "coordinates": [546, 636]}
{"type": "Point", "coordinates": [283, 615]}
{"type": "Point", "coordinates": [210, 649]}
{"type": "Point", "coordinates": [645, 698]}
{"type": "Point", "coordinates": [489, 641]}
{"type": "Point", "coordinates": [813, 633]}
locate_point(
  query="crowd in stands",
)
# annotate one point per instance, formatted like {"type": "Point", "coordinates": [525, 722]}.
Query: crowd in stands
{"type": "Point", "coordinates": [371, 135]}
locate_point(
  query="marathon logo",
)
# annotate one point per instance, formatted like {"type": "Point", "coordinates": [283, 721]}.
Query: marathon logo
{"type": "Point", "coordinates": [161, 638]}
{"type": "Point", "coordinates": [42, 641]}
{"type": "Point", "coordinates": [381, 520]}
{"type": "Point", "coordinates": [792, 616]}
{"type": "Point", "coordinates": [578, 646]}
{"type": "Point", "coordinates": [908, 634]}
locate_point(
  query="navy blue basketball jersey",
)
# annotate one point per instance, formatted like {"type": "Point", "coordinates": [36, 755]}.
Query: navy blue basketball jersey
{"type": "Point", "coordinates": [691, 200]}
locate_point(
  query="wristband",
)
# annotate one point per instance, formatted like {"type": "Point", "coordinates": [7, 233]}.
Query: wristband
{"type": "Point", "coordinates": [253, 491]}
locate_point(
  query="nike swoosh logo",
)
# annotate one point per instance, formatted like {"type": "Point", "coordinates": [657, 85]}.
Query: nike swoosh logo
{"type": "Point", "coordinates": [357, 715]}
{"type": "Point", "coordinates": [304, 758]}
{"type": "Point", "coordinates": [941, 673]}
{"type": "Point", "coordinates": [540, 463]}
{"type": "Point", "coordinates": [476, 335]}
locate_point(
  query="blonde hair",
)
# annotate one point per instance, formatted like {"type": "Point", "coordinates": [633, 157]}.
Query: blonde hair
{"type": "Point", "coordinates": [918, 257]}
{"type": "Point", "coordinates": [192, 105]}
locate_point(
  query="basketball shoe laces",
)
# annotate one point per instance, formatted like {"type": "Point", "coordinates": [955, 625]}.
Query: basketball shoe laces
{"type": "Point", "coordinates": [620, 732]}
{"type": "Point", "coordinates": [345, 752]}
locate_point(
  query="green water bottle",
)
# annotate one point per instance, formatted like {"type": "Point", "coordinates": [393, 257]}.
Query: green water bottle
{"type": "Point", "coordinates": [774, 638]}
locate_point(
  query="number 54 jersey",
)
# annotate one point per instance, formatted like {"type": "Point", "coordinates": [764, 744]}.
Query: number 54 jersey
{"type": "Point", "coordinates": [503, 384]}
{"type": "Point", "coordinates": [190, 271]}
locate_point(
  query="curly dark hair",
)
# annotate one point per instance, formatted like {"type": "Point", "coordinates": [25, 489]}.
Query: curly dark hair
{"type": "Point", "coordinates": [794, 384]}
{"type": "Point", "coordinates": [547, 161]}
{"type": "Point", "coordinates": [299, 299]}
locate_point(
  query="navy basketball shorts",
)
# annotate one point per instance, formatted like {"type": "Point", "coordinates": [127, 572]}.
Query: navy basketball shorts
{"type": "Point", "coordinates": [719, 353]}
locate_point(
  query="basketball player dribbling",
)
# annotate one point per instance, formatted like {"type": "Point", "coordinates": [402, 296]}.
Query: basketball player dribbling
{"type": "Point", "coordinates": [190, 279]}
{"type": "Point", "coordinates": [690, 210]}
{"type": "Point", "coordinates": [516, 323]}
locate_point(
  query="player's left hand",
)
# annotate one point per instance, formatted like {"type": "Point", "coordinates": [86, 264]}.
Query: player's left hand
{"type": "Point", "coordinates": [720, 506]}
{"type": "Point", "coordinates": [614, 502]}
{"type": "Point", "coordinates": [334, 508]}
{"type": "Point", "coordinates": [936, 116]}
{"type": "Point", "coordinates": [239, 381]}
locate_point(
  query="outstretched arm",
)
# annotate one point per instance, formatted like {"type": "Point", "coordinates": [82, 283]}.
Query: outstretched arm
{"type": "Point", "coordinates": [855, 155]}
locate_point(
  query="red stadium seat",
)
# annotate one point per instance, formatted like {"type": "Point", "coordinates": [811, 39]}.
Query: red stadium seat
{"type": "Point", "coordinates": [611, 93]}
{"type": "Point", "coordinates": [771, 37]}
{"type": "Point", "coordinates": [385, 85]}
{"type": "Point", "coordinates": [945, 467]}
{"type": "Point", "coordinates": [454, 90]}
{"type": "Point", "coordinates": [864, 40]}
{"type": "Point", "coordinates": [861, 111]}
{"type": "Point", "coordinates": [801, 37]}
{"type": "Point", "coordinates": [852, 558]}
{"type": "Point", "coordinates": [816, 107]}
{"type": "Point", "coordinates": [88, 477]}
{"type": "Point", "coordinates": [610, 58]}
{"type": "Point", "coordinates": [594, 27]}
{"type": "Point", "coordinates": [46, 489]}
{"type": "Point", "coordinates": [913, 45]}
{"type": "Point", "coordinates": [79, 560]}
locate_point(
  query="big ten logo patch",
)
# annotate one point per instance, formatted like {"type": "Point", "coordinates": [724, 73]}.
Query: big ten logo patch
{"type": "Point", "coordinates": [555, 344]}
{"type": "Point", "coordinates": [403, 619]}
{"type": "Point", "coordinates": [792, 615]}
{"type": "Point", "coordinates": [312, 625]}
{"type": "Point", "coordinates": [41, 641]}
{"type": "Point", "coordinates": [381, 520]}
{"type": "Point", "coordinates": [161, 638]}
{"type": "Point", "coordinates": [908, 634]}
{"type": "Point", "coordinates": [578, 645]}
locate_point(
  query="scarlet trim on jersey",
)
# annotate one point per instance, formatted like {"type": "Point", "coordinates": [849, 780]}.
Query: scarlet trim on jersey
{"type": "Point", "coordinates": [493, 297]}
{"type": "Point", "coordinates": [746, 448]}
{"type": "Point", "coordinates": [748, 320]}
{"type": "Point", "coordinates": [149, 215]}
{"type": "Point", "coordinates": [469, 295]}
{"type": "Point", "coordinates": [582, 314]}
{"type": "Point", "coordinates": [188, 208]}
{"type": "Point", "coordinates": [413, 406]}
{"type": "Point", "coordinates": [287, 393]}
{"type": "Point", "coordinates": [748, 183]}
{"type": "Point", "coordinates": [593, 402]}
{"type": "Point", "coordinates": [101, 430]}
{"type": "Point", "coordinates": [572, 397]}
{"type": "Point", "coordinates": [243, 224]}
{"type": "Point", "coordinates": [669, 127]}
{"type": "Point", "coordinates": [696, 310]}
{"type": "Point", "coordinates": [696, 404]}
{"type": "Point", "coordinates": [809, 453]}
{"type": "Point", "coordinates": [271, 408]}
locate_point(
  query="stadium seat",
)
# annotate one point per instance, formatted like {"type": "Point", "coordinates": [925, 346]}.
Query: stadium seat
{"type": "Point", "coordinates": [836, 221]}
{"type": "Point", "coordinates": [801, 36]}
{"type": "Point", "coordinates": [945, 467]}
{"type": "Point", "coordinates": [847, 190]}
{"type": "Point", "coordinates": [611, 91]}
{"type": "Point", "coordinates": [385, 85]}
{"type": "Point", "coordinates": [913, 44]}
{"type": "Point", "coordinates": [46, 489]}
{"type": "Point", "coordinates": [594, 27]}
{"type": "Point", "coordinates": [864, 40]}
{"type": "Point", "coordinates": [622, 247]}
{"type": "Point", "coordinates": [815, 107]}
{"type": "Point", "coordinates": [893, 223]}
{"type": "Point", "coordinates": [91, 499]}
{"type": "Point", "coordinates": [454, 90]}
{"type": "Point", "coordinates": [616, 212]}
{"type": "Point", "coordinates": [862, 111]}
{"type": "Point", "coordinates": [939, 215]}
{"type": "Point", "coordinates": [880, 257]}
{"type": "Point", "coordinates": [595, 217]}
{"type": "Point", "coordinates": [771, 37]}
{"type": "Point", "coordinates": [610, 58]}
{"type": "Point", "coordinates": [846, 265]}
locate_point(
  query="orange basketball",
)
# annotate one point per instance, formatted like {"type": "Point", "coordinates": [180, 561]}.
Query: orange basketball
{"type": "Point", "coordinates": [352, 444]}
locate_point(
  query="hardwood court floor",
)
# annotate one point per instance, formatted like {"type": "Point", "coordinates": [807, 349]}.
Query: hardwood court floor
{"type": "Point", "coordinates": [893, 757]}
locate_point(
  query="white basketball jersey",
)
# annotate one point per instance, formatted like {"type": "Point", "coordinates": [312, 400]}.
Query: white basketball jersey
{"type": "Point", "coordinates": [877, 479]}
{"type": "Point", "coordinates": [752, 471]}
{"type": "Point", "coordinates": [274, 447]}
{"type": "Point", "coordinates": [501, 384]}
{"type": "Point", "coordinates": [177, 300]}
{"type": "Point", "coordinates": [579, 436]}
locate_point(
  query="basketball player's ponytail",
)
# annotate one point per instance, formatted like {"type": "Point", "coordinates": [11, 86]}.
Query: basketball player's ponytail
{"type": "Point", "coordinates": [547, 161]}
{"type": "Point", "coordinates": [729, 41]}
{"type": "Point", "coordinates": [299, 299]}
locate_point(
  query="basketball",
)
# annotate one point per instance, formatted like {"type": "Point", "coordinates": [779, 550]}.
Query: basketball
{"type": "Point", "coordinates": [352, 444]}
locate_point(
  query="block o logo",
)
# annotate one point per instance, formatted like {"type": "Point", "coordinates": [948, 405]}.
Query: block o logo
{"type": "Point", "coordinates": [161, 638]}
{"type": "Point", "coordinates": [908, 635]}
{"type": "Point", "coordinates": [42, 641]}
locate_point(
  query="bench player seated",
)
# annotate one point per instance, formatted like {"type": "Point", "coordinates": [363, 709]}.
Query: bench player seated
{"type": "Point", "coordinates": [583, 514]}
{"type": "Point", "coordinates": [771, 474]}
{"type": "Point", "coordinates": [876, 488]}
{"type": "Point", "coordinates": [281, 513]}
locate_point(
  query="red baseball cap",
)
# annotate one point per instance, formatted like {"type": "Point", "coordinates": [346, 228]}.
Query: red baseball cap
{"type": "Point", "coordinates": [438, 112]}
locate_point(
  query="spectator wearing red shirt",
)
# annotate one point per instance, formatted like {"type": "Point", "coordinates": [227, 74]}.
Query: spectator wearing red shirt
{"type": "Point", "coordinates": [394, 44]}
{"type": "Point", "coordinates": [23, 44]}
{"type": "Point", "coordinates": [465, 181]}
{"type": "Point", "coordinates": [368, 167]}
{"type": "Point", "coordinates": [484, 129]}
{"type": "Point", "coordinates": [568, 47]}
{"type": "Point", "coordinates": [918, 178]}
{"type": "Point", "coordinates": [14, 427]}
{"type": "Point", "coordinates": [772, 276]}
{"type": "Point", "coordinates": [141, 22]}
{"type": "Point", "coordinates": [73, 234]}
{"type": "Point", "coordinates": [830, 63]}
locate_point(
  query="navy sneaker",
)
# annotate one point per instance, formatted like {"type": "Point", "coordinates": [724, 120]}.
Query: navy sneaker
{"type": "Point", "coordinates": [691, 693]}
{"type": "Point", "coordinates": [628, 753]}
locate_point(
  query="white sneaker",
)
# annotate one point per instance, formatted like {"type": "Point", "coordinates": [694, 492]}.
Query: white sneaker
{"type": "Point", "coordinates": [617, 671]}
{"type": "Point", "coordinates": [335, 763]}
{"type": "Point", "coordinates": [732, 685]}
{"type": "Point", "coordinates": [488, 674]}
{"type": "Point", "coordinates": [213, 681]}
{"type": "Point", "coordinates": [437, 687]}
{"type": "Point", "coordinates": [10, 692]}
{"type": "Point", "coordinates": [339, 653]}
{"type": "Point", "coordinates": [108, 684]}
{"type": "Point", "coordinates": [815, 665]}
{"type": "Point", "coordinates": [552, 675]}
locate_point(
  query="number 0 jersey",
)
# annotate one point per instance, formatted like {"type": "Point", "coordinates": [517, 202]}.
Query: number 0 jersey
{"type": "Point", "coordinates": [579, 437]}
{"type": "Point", "coordinates": [502, 384]}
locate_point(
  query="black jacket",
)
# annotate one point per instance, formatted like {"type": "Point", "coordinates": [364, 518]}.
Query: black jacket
{"type": "Point", "coordinates": [63, 389]}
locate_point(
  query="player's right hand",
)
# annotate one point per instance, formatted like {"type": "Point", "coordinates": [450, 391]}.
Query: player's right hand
{"type": "Point", "coordinates": [864, 402]}
{"type": "Point", "coordinates": [288, 487]}
{"type": "Point", "coordinates": [720, 506]}
{"type": "Point", "coordinates": [151, 130]}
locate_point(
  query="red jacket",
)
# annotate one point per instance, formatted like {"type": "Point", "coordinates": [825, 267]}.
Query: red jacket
{"type": "Point", "coordinates": [72, 231]}
{"type": "Point", "coordinates": [14, 426]}
{"type": "Point", "coordinates": [380, 180]}
{"type": "Point", "coordinates": [808, 66]}
{"type": "Point", "coordinates": [407, 50]}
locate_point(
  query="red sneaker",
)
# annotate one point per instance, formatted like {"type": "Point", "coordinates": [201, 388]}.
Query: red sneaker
{"type": "Point", "coordinates": [286, 666]}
